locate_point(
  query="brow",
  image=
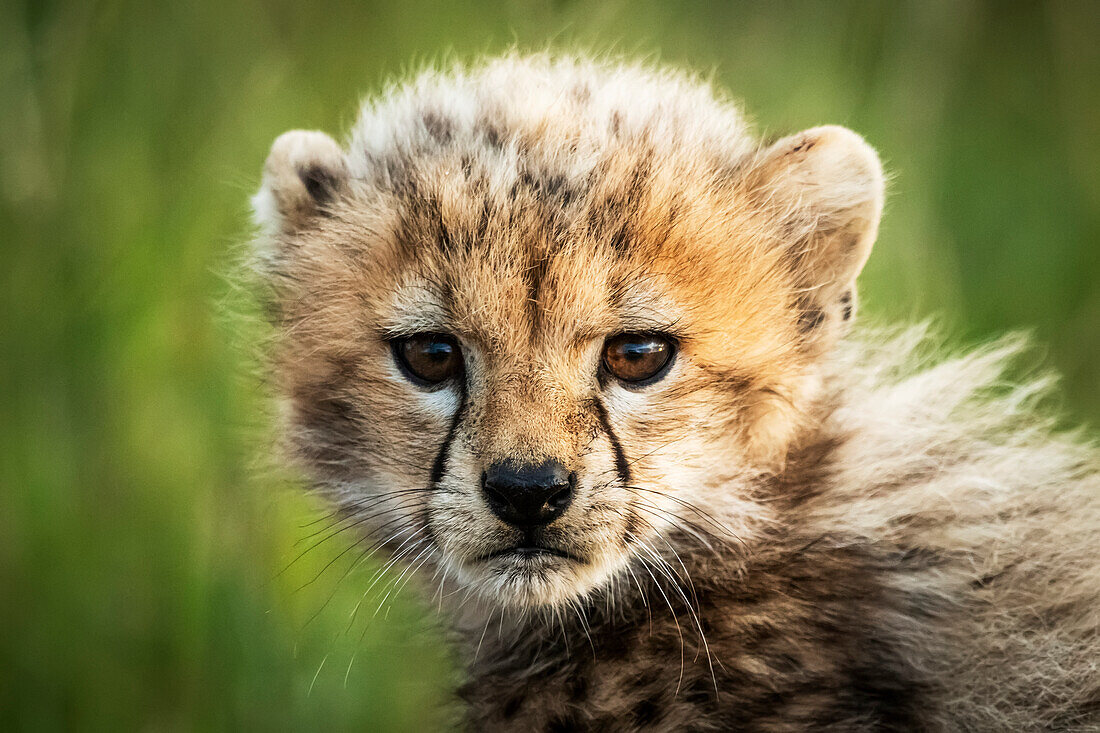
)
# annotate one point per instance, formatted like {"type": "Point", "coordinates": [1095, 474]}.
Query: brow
{"type": "Point", "coordinates": [648, 309]}
{"type": "Point", "coordinates": [641, 312]}
{"type": "Point", "coordinates": [415, 309]}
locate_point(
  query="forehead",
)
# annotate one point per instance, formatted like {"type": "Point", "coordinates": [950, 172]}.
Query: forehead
{"type": "Point", "coordinates": [512, 297]}
{"type": "Point", "coordinates": [543, 257]}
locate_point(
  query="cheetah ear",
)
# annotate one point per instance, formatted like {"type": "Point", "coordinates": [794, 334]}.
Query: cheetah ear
{"type": "Point", "coordinates": [303, 172]}
{"type": "Point", "coordinates": [826, 186]}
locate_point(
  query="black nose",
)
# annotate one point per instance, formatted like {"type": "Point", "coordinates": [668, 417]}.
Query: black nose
{"type": "Point", "coordinates": [528, 495]}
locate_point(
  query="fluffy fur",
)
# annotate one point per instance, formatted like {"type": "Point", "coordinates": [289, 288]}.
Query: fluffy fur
{"type": "Point", "coordinates": [797, 528]}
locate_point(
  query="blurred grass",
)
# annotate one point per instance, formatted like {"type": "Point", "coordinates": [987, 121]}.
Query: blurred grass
{"type": "Point", "coordinates": [139, 549]}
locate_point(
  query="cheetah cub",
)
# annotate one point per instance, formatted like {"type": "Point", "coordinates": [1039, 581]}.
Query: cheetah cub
{"type": "Point", "coordinates": [566, 335]}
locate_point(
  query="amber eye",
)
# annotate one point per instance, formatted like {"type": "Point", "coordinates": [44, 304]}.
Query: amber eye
{"type": "Point", "coordinates": [637, 358]}
{"type": "Point", "coordinates": [428, 358]}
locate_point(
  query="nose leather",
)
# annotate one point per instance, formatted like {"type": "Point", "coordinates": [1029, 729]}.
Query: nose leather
{"type": "Point", "coordinates": [528, 495]}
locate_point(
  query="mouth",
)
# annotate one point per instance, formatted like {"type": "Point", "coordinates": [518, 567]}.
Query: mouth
{"type": "Point", "coordinates": [528, 552]}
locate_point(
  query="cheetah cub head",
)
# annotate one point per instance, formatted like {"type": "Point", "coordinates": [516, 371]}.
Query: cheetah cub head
{"type": "Point", "coordinates": [542, 321]}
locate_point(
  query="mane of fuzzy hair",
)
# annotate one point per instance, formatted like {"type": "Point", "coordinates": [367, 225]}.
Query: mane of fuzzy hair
{"type": "Point", "coordinates": [958, 460]}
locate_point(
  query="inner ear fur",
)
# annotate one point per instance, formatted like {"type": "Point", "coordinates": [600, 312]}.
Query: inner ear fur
{"type": "Point", "coordinates": [303, 171]}
{"type": "Point", "coordinates": [825, 187]}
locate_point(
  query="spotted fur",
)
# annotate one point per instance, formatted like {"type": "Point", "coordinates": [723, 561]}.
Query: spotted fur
{"type": "Point", "coordinates": [801, 527]}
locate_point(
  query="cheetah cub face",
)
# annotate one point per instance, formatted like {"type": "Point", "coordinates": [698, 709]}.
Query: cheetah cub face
{"type": "Point", "coordinates": [537, 322]}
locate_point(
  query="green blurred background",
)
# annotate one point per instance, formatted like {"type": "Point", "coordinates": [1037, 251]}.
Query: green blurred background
{"type": "Point", "coordinates": [142, 536]}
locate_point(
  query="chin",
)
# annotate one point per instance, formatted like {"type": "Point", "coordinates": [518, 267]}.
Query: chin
{"type": "Point", "coordinates": [526, 579]}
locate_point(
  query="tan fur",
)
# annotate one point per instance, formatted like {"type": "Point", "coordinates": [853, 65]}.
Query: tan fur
{"type": "Point", "coordinates": [796, 528]}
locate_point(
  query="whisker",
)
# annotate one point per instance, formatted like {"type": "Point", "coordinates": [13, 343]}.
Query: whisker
{"type": "Point", "coordinates": [341, 508]}
{"type": "Point", "coordinates": [713, 521]}
{"type": "Point", "coordinates": [680, 523]}
{"type": "Point", "coordinates": [675, 620]}
{"type": "Point", "coordinates": [330, 535]}
{"type": "Point", "coordinates": [399, 553]}
{"type": "Point", "coordinates": [669, 572]}
{"type": "Point", "coordinates": [352, 546]}
{"type": "Point", "coordinates": [363, 556]}
{"type": "Point", "coordinates": [410, 570]}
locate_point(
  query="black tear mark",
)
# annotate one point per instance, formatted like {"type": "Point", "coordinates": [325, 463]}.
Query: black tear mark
{"type": "Point", "coordinates": [440, 463]}
{"type": "Point", "coordinates": [846, 304]}
{"type": "Point", "coordinates": [320, 183]}
{"type": "Point", "coordinates": [622, 465]}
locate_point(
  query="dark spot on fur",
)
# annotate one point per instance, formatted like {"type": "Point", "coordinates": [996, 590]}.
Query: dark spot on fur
{"type": "Point", "coordinates": [846, 304]}
{"type": "Point", "coordinates": [439, 127]}
{"type": "Point", "coordinates": [320, 183]}
{"type": "Point", "coordinates": [884, 690]}
{"type": "Point", "coordinates": [546, 184]}
{"type": "Point", "coordinates": [648, 711]}
{"type": "Point", "coordinates": [698, 692]}
{"type": "Point", "coordinates": [445, 238]}
{"type": "Point", "coordinates": [810, 318]}
{"type": "Point", "coordinates": [578, 688]}
{"type": "Point", "coordinates": [735, 382]}
{"type": "Point", "coordinates": [619, 240]}
{"type": "Point", "coordinates": [808, 470]}
{"type": "Point", "coordinates": [673, 213]}
{"type": "Point", "coordinates": [401, 178]}
{"type": "Point", "coordinates": [510, 708]}
{"type": "Point", "coordinates": [481, 229]}
{"type": "Point", "coordinates": [639, 177]}
{"type": "Point", "coordinates": [493, 135]}
{"type": "Point", "coordinates": [804, 145]}
{"type": "Point", "coordinates": [616, 123]}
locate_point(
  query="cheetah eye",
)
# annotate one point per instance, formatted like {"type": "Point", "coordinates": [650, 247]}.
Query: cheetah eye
{"type": "Point", "coordinates": [638, 358]}
{"type": "Point", "coordinates": [428, 358]}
